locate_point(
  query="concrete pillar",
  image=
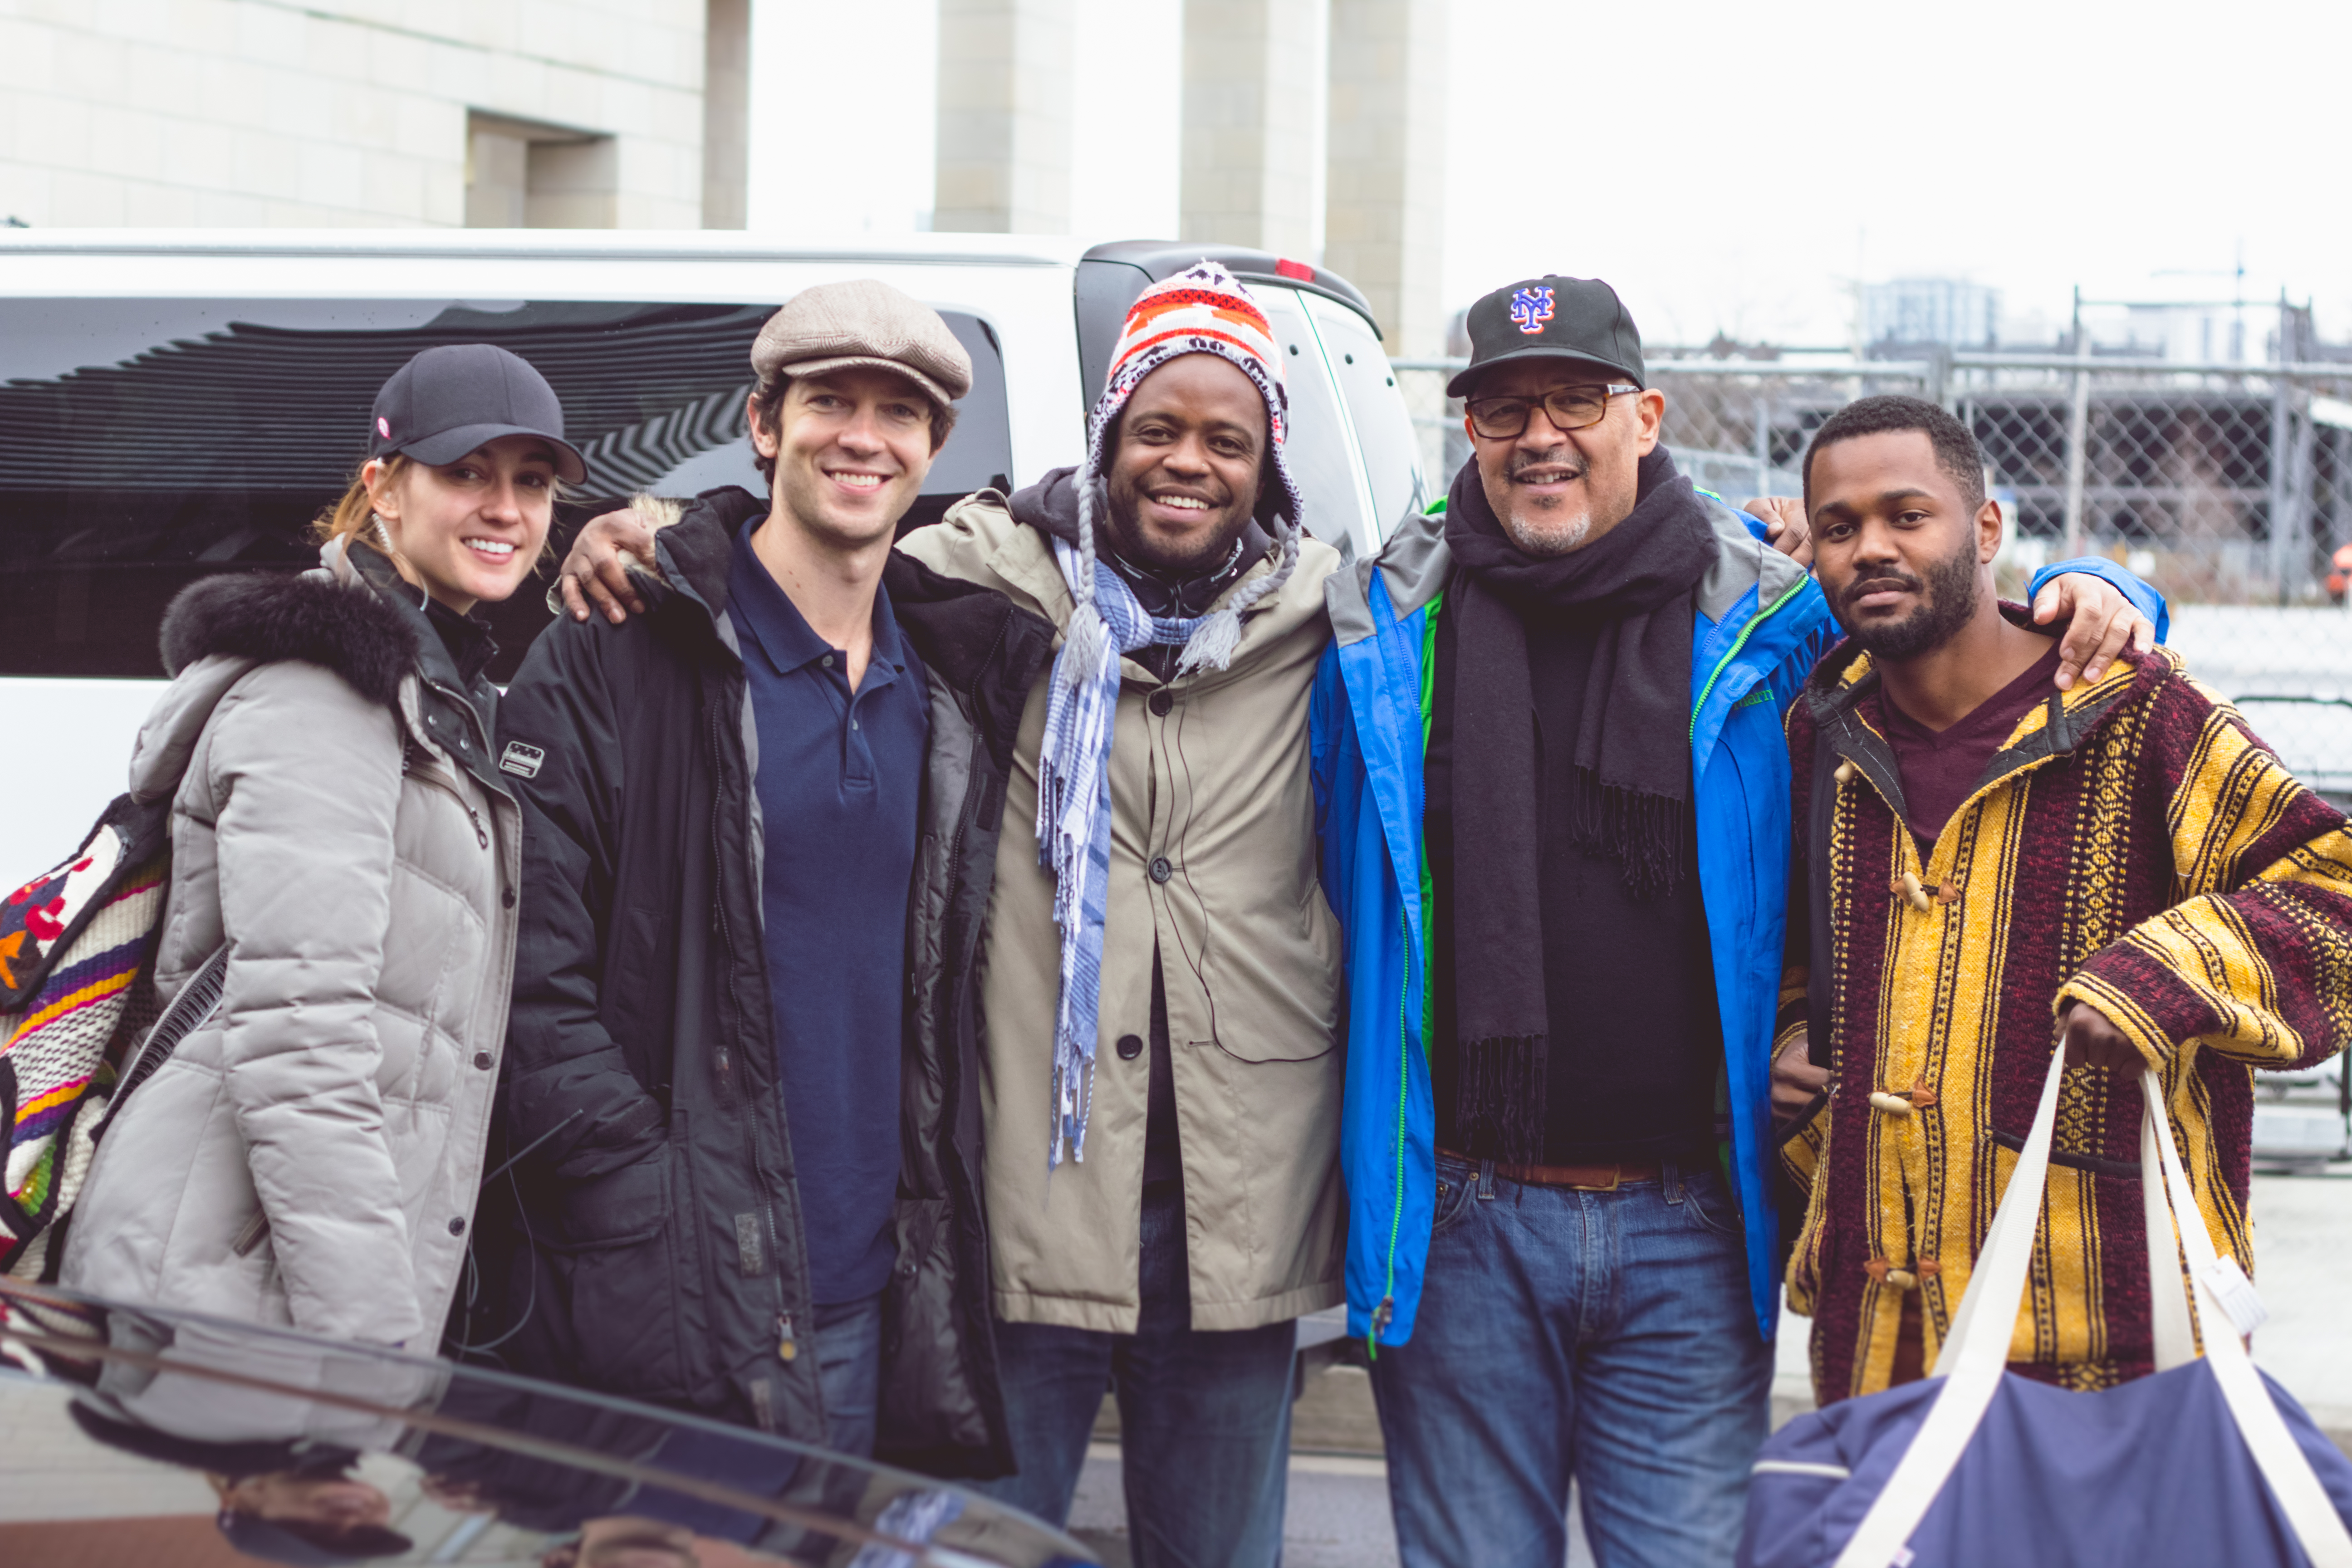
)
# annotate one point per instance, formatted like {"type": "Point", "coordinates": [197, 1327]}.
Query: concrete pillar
{"type": "Point", "coordinates": [726, 112]}
{"type": "Point", "coordinates": [1251, 100]}
{"type": "Point", "coordinates": [1004, 108]}
{"type": "Point", "coordinates": [1384, 215]}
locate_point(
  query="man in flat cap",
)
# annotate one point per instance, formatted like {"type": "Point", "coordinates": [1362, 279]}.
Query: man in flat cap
{"type": "Point", "coordinates": [1555, 818]}
{"type": "Point", "coordinates": [1120, 951]}
{"type": "Point", "coordinates": [709, 1095]}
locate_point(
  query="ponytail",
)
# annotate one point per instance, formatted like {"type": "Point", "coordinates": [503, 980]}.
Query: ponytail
{"type": "Point", "coordinates": [353, 519]}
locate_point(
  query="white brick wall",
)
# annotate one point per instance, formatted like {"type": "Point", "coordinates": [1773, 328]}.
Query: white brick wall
{"type": "Point", "coordinates": [254, 112]}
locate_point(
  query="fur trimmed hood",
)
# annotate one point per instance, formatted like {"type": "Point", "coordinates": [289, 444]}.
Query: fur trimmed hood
{"type": "Point", "coordinates": [348, 628]}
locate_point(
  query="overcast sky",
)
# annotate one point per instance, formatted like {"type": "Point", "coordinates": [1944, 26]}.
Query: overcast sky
{"type": "Point", "coordinates": [1732, 166]}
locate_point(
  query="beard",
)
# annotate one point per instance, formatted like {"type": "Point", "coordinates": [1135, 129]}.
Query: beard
{"type": "Point", "coordinates": [1542, 531]}
{"type": "Point", "coordinates": [1544, 534]}
{"type": "Point", "coordinates": [1186, 557]}
{"type": "Point", "coordinates": [1948, 599]}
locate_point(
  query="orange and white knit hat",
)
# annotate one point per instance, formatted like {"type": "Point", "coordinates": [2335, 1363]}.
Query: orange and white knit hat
{"type": "Point", "coordinates": [1204, 309]}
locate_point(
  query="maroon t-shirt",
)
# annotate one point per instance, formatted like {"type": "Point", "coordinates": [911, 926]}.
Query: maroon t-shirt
{"type": "Point", "coordinates": [1939, 769]}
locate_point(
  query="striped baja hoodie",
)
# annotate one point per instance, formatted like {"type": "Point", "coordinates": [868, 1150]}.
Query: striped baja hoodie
{"type": "Point", "coordinates": [2133, 845]}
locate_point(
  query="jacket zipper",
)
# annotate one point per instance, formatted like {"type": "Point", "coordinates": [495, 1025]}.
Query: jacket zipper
{"type": "Point", "coordinates": [725, 1062]}
{"type": "Point", "coordinates": [963, 817]}
{"type": "Point", "coordinates": [473, 719]}
{"type": "Point", "coordinates": [1384, 1313]}
{"type": "Point", "coordinates": [1386, 1310]}
{"type": "Point", "coordinates": [1733, 651]}
{"type": "Point", "coordinates": [408, 769]}
{"type": "Point", "coordinates": [787, 1347]}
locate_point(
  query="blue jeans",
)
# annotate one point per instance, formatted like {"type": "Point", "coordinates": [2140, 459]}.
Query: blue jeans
{"type": "Point", "coordinates": [850, 1372]}
{"type": "Point", "coordinates": [1599, 1337]}
{"type": "Point", "coordinates": [1204, 1418]}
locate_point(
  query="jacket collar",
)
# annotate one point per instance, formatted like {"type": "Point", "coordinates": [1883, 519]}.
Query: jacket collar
{"type": "Point", "coordinates": [697, 552]}
{"type": "Point", "coordinates": [2054, 729]}
{"type": "Point", "coordinates": [377, 573]}
{"type": "Point", "coordinates": [441, 708]}
{"type": "Point", "coordinates": [1414, 565]}
{"type": "Point", "coordinates": [975, 641]}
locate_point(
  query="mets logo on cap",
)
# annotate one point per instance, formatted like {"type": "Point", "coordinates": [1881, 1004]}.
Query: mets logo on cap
{"type": "Point", "coordinates": [1531, 308]}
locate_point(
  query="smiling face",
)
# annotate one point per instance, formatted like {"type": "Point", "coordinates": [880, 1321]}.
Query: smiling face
{"type": "Point", "coordinates": [851, 449]}
{"type": "Point", "coordinates": [1557, 491]}
{"type": "Point", "coordinates": [1191, 455]}
{"type": "Point", "coordinates": [470, 530]}
{"type": "Point", "coordinates": [1901, 555]}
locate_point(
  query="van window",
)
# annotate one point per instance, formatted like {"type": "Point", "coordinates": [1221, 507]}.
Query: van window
{"type": "Point", "coordinates": [1384, 432]}
{"type": "Point", "coordinates": [144, 443]}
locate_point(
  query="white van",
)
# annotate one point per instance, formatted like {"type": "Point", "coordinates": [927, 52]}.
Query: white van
{"type": "Point", "coordinates": [178, 403]}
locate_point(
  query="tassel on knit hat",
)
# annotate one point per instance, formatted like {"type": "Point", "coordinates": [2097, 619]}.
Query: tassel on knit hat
{"type": "Point", "coordinates": [1203, 310]}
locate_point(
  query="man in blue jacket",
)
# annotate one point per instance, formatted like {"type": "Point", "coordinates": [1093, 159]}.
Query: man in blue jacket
{"type": "Point", "coordinates": [1553, 796]}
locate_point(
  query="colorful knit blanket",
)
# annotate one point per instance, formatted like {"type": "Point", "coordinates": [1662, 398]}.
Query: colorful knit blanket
{"type": "Point", "coordinates": [74, 993]}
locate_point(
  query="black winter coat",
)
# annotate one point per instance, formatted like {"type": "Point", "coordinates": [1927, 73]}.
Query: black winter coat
{"type": "Point", "coordinates": [647, 1240]}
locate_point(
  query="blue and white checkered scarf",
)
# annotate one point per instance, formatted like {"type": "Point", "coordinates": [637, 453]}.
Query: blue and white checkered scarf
{"type": "Point", "coordinates": [1073, 801]}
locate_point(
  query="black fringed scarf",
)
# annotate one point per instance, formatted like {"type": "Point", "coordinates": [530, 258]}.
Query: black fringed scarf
{"type": "Point", "coordinates": [1630, 778]}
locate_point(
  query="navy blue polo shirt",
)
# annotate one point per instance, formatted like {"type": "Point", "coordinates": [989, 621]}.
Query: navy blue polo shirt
{"type": "Point", "coordinates": [839, 778]}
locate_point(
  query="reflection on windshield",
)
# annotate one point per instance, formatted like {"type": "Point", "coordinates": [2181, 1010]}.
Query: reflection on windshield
{"type": "Point", "coordinates": [291, 1449]}
{"type": "Point", "coordinates": [146, 443]}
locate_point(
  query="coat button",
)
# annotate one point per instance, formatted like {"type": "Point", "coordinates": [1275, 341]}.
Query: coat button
{"type": "Point", "coordinates": [1129, 1047]}
{"type": "Point", "coordinates": [506, 898]}
{"type": "Point", "coordinates": [1159, 702]}
{"type": "Point", "coordinates": [457, 1228]}
{"type": "Point", "coordinates": [482, 1059]}
{"type": "Point", "coordinates": [1161, 870]}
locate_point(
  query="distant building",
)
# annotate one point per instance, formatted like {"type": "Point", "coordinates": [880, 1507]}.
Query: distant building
{"type": "Point", "coordinates": [556, 113]}
{"type": "Point", "coordinates": [2217, 334]}
{"type": "Point", "coordinates": [1930, 310]}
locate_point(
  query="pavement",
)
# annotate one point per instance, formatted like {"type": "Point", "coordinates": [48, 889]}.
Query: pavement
{"type": "Point", "coordinates": [1339, 1515]}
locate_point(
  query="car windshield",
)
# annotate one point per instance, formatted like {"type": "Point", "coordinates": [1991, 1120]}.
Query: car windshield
{"type": "Point", "coordinates": [149, 1435]}
{"type": "Point", "coordinates": [144, 443]}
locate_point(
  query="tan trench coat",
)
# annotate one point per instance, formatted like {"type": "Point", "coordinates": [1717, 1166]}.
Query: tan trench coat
{"type": "Point", "coordinates": [1215, 789]}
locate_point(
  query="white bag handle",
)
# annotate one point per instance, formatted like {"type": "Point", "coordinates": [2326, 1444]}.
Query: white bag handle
{"type": "Point", "coordinates": [2306, 1503]}
{"type": "Point", "coordinates": [1975, 1354]}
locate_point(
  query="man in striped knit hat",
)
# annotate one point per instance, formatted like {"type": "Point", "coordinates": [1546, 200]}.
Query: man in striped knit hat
{"type": "Point", "coordinates": [1160, 1210]}
{"type": "Point", "coordinates": [1156, 971]}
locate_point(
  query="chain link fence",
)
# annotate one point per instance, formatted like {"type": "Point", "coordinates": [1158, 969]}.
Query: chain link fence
{"type": "Point", "coordinates": [2228, 486]}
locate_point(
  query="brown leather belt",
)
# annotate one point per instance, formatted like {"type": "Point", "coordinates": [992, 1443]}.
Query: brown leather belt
{"type": "Point", "coordinates": [1586, 1178]}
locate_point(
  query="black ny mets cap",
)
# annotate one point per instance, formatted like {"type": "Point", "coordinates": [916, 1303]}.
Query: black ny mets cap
{"type": "Point", "coordinates": [450, 400]}
{"type": "Point", "coordinates": [1577, 319]}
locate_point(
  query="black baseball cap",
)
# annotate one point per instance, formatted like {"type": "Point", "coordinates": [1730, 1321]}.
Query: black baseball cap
{"type": "Point", "coordinates": [1577, 319]}
{"type": "Point", "coordinates": [450, 400]}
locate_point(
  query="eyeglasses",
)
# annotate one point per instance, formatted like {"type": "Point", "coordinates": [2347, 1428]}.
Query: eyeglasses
{"type": "Point", "coordinates": [1567, 408]}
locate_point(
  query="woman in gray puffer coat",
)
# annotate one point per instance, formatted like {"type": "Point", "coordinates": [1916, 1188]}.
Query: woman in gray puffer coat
{"type": "Point", "coordinates": [309, 1154]}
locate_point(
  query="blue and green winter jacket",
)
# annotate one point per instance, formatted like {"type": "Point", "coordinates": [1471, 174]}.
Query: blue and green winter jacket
{"type": "Point", "coordinates": [1762, 623]}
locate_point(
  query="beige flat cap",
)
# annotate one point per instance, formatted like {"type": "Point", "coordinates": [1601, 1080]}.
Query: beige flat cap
{"type": "Point", "coordinates": [864, 321]}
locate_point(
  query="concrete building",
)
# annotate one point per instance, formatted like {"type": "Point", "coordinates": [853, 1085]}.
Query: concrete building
{"type": "Point", "coordinates": [1253, 84]}
{"type": "Point", "coordinates": [563, 113]}
{"type": "Point", "coordinates": [1310, 128]}
{"type": "Point", "coordinates": [1922, 311]}
{"type": "Point", "coordinates": [1384, 203]}
{"type": "Point", "coordinates": [1005, 117]}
